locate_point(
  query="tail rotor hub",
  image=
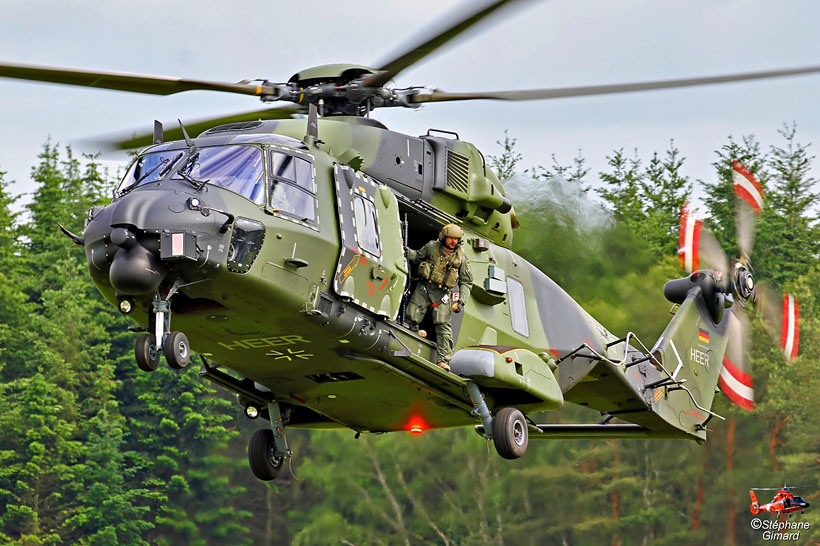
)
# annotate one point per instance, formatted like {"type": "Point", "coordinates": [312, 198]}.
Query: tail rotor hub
{"type": "Point", "coordinates": [744, 282]}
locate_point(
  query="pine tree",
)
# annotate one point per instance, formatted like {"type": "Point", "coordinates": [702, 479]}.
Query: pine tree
{"type": "Point", "coordinates": [720, 197]}
{"type": "Point", "coordinates": [789, 236]}
{"type": "Point", "coordinates": [38, 428]}
{"type": "Point", "coordinates": [664, 189]}
{"type": "Point", "coordinates": [574, 173]}
{"type": "Point", "coordinates": [622, 190]}
{"type": "Point", "coordinates": [179, 434]}
{"type": "Point", "coordinates": [505, 163]}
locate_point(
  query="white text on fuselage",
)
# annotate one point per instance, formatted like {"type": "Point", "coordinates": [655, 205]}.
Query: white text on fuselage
{"type": "Point", "coordinates": [699, 357]}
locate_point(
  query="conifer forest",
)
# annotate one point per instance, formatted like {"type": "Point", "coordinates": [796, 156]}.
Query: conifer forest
{"type": "Point", "coordinates": [94, 452]}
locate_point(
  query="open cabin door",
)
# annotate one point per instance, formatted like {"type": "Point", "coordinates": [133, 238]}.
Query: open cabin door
{"type": "Point", "coordinates": [372, 268]}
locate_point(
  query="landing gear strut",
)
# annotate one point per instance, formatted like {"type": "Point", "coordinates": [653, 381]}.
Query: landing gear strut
{"type": "Point", "coordinates": [174, 345]}
{"type": "Point", "coordinates": [508, 428]}
{"type": "Point", "coordinates": [268, 448]}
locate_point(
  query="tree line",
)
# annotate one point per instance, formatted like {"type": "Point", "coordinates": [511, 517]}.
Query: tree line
{"type": "Point", "coordinates": [94, 452]}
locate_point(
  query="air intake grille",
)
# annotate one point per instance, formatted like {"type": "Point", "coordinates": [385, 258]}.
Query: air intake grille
{"type": "Point", "coordinates": [240, 126]}
{"type": "Point", "coordinates": [458, 168]}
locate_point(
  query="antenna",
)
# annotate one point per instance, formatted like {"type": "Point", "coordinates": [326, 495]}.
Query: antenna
{"type": "Point", "coordinates": [188, 140]}
{"type": "Point", "coordinates": [312, 136]}
{"type": "Point", "coordinates": [159, 132]}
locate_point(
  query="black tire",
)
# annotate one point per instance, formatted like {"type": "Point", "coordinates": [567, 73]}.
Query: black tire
{"type": "Point", "coordinates": [146, 353]}
{"type": "Point", "coordinates": [510, 434]}
{"type": "Point", "coordinates": [264, 464]}
{"type": "Point", "coordinates": [177, 350]}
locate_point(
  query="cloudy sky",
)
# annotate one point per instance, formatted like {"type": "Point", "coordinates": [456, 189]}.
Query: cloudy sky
{"type": "Point", "coordinates": [543, 44]}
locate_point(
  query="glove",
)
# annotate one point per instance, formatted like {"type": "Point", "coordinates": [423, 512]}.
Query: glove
{"type": "Point", "coordinates": [458, 306]}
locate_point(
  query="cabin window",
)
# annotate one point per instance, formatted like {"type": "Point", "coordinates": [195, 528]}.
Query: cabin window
{"type": "Point", "coordinates": [367, 233]}
{"type": "Point", "coordinates": [235, 168]}
{"type": "Point", "coordinates": [293, 191]}
{"type": "Point", "coordinates": [518, 307]}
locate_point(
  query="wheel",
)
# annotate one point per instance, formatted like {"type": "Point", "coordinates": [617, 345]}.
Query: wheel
{"type": "Point", "coordinates": [177, 350]}
{"type": "Point", "coordinates": [146, 353]}
{"type": "Point", "coordinates": [264, 464]}
{"type": "Point", "coordinates": [510, 433]}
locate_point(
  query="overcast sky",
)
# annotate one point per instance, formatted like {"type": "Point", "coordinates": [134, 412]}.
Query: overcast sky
{"type": "Point", "coordinates": [544, 44]}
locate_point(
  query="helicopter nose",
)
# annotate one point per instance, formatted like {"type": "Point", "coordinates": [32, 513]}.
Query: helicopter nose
{"type": "Point", "coordinates": [135, 270]}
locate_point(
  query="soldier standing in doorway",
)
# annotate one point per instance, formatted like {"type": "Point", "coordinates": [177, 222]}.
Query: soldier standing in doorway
{"type": "Point", "coordinates": [441, 267]}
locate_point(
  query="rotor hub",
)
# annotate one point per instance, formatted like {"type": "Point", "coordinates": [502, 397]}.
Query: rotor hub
{"type": "Point", "coordinates": [744, 282]}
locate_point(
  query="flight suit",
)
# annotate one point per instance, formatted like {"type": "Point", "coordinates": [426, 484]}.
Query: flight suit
{"type": "Point", "coordinates": [439, 274]}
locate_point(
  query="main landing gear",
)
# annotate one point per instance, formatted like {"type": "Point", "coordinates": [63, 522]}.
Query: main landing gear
{"type": "Point", "coordinates": [508, 428]}
{"type": "Point", "coordinates": [268, 448]}
{"type": "Point", "coordinates": [174, 345]}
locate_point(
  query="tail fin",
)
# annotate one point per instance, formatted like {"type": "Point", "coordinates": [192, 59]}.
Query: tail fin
{"type": "Point", "coordinates": [754, 507]}
{"type": "Point", "coordinates": [691, 349]}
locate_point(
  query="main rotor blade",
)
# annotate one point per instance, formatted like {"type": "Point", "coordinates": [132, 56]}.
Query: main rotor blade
{"type": "Point", "coordinates": [781, 316]}
{"type": "Point", "coordinates": [127, 141]}
{"type": "Point", "coordinates": [390, 69]}
{"type": "Point", "coordinates": [565, 92]}
{"type": "Point", "coordinates": [121, 81]}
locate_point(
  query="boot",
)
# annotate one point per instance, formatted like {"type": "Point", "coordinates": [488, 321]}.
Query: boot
{"type": "Point", "coordinates": [444, 366]}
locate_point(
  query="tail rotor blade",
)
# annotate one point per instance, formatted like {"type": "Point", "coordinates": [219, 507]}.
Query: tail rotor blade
{"type": "Point", "coordinates": [749, 199]}
{"type": "Point", "coordinates": [689, 239]}
{"type": "Point", "coordinates": [712, 254]}
{"type": "Point", "coordinates": [781, 315]}
{"type": "Point", "coordinates": [697, 247]}
{"type": "Point", "coordinates": [735, 378]}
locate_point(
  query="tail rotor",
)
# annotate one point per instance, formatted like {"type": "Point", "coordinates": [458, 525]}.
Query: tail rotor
{"type": "Point", "coordinates": [698, 248]}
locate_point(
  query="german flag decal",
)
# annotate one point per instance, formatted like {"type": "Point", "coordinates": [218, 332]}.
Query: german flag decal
{"type": "Point", "coordinates": [703, 336]}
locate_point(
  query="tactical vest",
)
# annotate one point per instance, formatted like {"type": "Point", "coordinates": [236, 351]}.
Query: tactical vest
{"type": "Point", "coordinates": [441, 269]}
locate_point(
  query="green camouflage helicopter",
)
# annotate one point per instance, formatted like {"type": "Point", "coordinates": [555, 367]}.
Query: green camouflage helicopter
{"type": "Point", "coordinates": [274, 244]}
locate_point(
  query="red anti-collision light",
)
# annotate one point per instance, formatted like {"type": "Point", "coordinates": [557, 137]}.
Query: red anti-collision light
{"type": "Point", "coordinates": [416, 425]}
{"type": "Point", "coordinates": [509, 359]}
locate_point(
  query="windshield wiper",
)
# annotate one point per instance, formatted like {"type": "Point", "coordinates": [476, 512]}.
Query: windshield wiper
{"type": "Point", "coordinates": [170, 164]}
{"type": "Point", "coordinates": [185, 172]}
{"type": "Point", "coordinates": [166, 165]}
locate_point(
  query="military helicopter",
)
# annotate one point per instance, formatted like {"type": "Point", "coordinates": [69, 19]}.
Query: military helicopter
{"type": "Point", "coordinates": [784, 501]}
{"type": "Point", "coordinates": [273, 243]}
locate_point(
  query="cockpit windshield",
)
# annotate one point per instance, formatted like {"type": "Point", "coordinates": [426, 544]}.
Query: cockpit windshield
{"type": "Point", "coordinates": [148, 168]}
{"type": "Point", "coordinates": [236, 168]}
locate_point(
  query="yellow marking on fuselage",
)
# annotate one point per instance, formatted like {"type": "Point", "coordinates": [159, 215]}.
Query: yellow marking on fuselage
{"type": "Point", "coordinates": [263, 342]}
{"type": "Point", "coordinates": [658, 394]}
{"type": "Point", "coordinates": [355, 261]}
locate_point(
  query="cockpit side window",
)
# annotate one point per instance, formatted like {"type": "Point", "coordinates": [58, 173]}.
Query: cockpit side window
{"type": "Point", "coordinates": [292, 188]}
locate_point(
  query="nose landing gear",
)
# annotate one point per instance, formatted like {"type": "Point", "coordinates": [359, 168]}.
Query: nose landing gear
{"type": "Point", "coordinates": [174, 345]}
{"type": "Point", "coordinates": [146, 353]}
{"type": "Point", "coordinates": [176, 349]}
